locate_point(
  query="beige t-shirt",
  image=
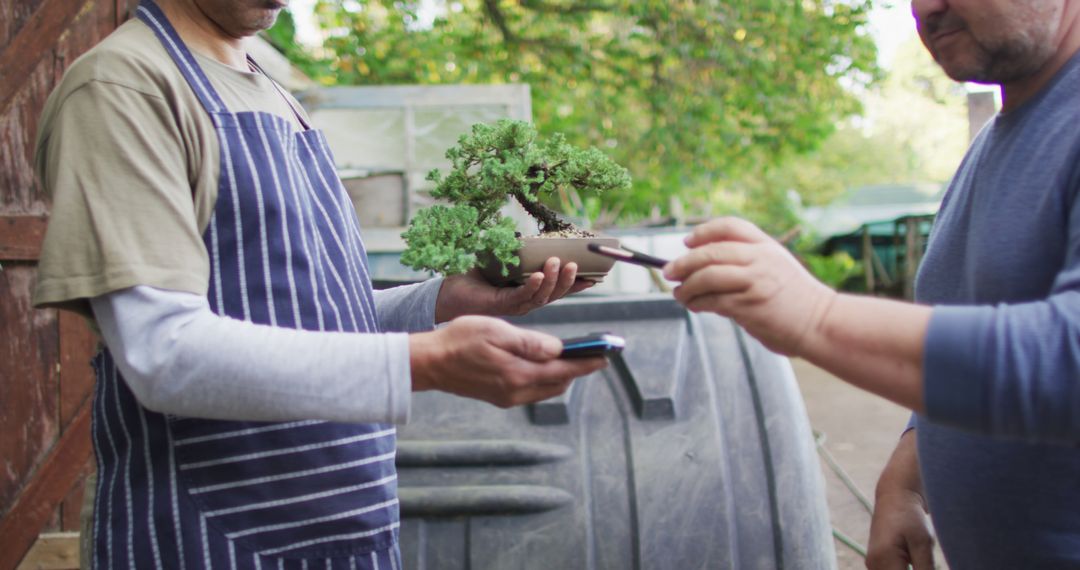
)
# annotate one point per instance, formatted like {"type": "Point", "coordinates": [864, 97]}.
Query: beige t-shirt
{"type": "Point", "coordinates": [131, 160]}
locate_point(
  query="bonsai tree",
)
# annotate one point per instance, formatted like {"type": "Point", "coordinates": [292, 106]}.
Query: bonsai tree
{"type": "Point", "coordinates": [492, 165]}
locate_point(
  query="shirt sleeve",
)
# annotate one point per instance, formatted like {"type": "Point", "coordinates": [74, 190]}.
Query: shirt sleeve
{"type": "Point", "coordinates": [179, 357]}
{"type": "Point", "coordinates": [116, 164]}
{"type": "Point", "coordinates": [1011, 369]}
{"type": "Point", "coordinates": [409, 308]}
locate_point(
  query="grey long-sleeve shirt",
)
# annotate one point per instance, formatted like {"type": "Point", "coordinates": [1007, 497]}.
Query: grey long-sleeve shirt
{"type": "Point", "coordinates": [178, 357]}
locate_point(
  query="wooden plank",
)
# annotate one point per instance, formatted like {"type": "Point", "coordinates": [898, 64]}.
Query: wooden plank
{"type": "Point", "coordinates": [33, 42]}
{"type": "Point", "coordinates": [21, 237]}
{"type": "Point", "coordinates": [71, 508]}
{"type": "Point", "coordinates": [46, 490]}
{"type": "Point", "coordinates": [868, 259]}
{"type": "Point", "coordinates": [53, 551]}
{"type": "Point", "coordinates": [19, 192]}
{"type": "Point", "coordinates": [911, 255]}
{"type": "Point", "coordinates": [13, 17]}
{"type": "Point", "coordinates": [41, 475]}
{"type": "Point", "coordinates": [124, 9]}
{"type": "Point", "coordinates": [30, 387]}
{"type": "Point", "coordinates": [78, 344]}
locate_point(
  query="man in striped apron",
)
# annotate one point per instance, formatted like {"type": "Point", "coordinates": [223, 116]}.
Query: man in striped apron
{"type": "Point", "coordinates": [248, 389]}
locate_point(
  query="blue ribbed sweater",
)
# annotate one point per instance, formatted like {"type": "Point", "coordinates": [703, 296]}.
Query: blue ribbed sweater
{"type": "Point", "coordinates": [998, 446]}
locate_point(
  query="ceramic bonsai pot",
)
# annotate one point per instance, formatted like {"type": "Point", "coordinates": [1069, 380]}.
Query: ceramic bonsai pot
{"type": "Point", "coordinates": [536, 250]}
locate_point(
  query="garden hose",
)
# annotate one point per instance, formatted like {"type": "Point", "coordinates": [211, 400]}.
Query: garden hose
{"type": "Point", "coordinates": [819, 443]}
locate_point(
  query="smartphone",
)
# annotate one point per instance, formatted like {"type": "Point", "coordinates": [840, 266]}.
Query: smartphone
{"type": "Point", "coordinates": [593, 344]}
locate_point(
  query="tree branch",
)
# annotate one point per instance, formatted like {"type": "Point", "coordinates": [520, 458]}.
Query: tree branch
{"type": "Point", "coordinates": [548, 220]}
{"type": "Point", "coordinates": [495, 12]}
{"type": "Point", "coordinates": [573, 8]}
{"type": "Point", "coordinates": [499, 19]}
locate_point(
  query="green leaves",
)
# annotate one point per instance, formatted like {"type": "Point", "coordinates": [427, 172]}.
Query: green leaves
{"type": "Point", "coordinates": [442, 239]}
{"type": "Point", "coordinates": [694, 97]}
{"type": "Point", "coordinates": [449, 241]}
{"type": "Point", "coordinates": [833, 270]}
{"type": "Point", "coordinates": [491, 165]}
{"type": "Point", "coordinates": [500, 240]}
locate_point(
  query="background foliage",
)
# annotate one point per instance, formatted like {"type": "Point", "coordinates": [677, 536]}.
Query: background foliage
{"type": "Point", "coordinates": [698, 99]}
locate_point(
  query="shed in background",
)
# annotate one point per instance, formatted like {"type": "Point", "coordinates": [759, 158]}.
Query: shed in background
{"type": "Point", "coordinates": [884, 227]}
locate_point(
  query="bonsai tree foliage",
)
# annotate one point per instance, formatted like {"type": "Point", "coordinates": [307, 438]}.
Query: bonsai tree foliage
{"type": "Point", "coordinates": [490, 166]}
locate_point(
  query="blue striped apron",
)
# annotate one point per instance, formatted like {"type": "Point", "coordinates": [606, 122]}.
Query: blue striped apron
{"type": "Point", "coordinates": [285, 250]}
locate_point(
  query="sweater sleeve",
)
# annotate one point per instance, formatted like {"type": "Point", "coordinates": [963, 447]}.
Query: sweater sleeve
{"type": "Point", "coordinates": [409, 308]}
{"type": "Point", "coordinates": [1011, 369]}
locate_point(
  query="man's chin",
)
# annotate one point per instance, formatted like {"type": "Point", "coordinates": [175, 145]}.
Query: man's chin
{"type": "Point", "coordinates": [266, 21]}
{"type": "Point", "coordinates": [963, 74]}
{"type": "Point", "coordinates": [962, 67]}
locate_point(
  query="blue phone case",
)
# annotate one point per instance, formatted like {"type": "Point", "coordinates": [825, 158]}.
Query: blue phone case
{"type": "Point", "coordinates": [595, 344]}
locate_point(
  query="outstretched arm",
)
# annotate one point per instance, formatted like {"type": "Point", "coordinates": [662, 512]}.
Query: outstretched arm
{"type": "Point", "coordinates": [737, 270]}
{"type": "Point", "coordinates": [1001, 369]}
{"type": "Point", "coordinates": [180, 358]}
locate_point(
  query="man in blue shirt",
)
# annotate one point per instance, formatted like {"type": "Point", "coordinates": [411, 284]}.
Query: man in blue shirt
{"type": "Point", "coordinates": [990, 357]}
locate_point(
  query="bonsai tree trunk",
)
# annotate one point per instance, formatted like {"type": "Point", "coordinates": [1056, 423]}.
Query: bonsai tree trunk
{"type": "Point", "coordinates": [548, 220]}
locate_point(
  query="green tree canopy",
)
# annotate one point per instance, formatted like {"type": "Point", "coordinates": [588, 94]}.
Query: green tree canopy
{"type": "Point", "coordinates": [689, 95]}
{"type": "Point", "coordinates": [914, 129]}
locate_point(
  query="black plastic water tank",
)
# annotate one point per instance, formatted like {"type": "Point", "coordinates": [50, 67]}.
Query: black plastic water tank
{"type": "Point", "coordinates": [691, 451]}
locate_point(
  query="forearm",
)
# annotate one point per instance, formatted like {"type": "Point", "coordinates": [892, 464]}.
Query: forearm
{"type": "Point", "coordinates": [735, 269]}
{"type": "Point", "coordinates": [901, 473]}
{"type": "Point", "coordinates": [900, 534]}
{"type": "Point", "coordinates": [875, 344]}
{"type": "Point", "coordinates": [998, 369]}
{"type": "Point", "coordinates": [179, 358]}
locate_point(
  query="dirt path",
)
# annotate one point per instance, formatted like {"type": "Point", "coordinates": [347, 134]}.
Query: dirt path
{"type": "Point", "coordinates": [860, 432]}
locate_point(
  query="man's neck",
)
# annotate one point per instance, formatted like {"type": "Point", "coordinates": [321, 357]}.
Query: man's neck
{"type": "Point", "coordinates": [202, 35]}
{"type": "Point", "coordinates": [1015, 94]}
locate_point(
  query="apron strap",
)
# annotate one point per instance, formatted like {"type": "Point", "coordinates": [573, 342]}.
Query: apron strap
{"type": "Point", "coordinates": [151, 14]}
{"type": "Point", "coordinates": [258, 69]}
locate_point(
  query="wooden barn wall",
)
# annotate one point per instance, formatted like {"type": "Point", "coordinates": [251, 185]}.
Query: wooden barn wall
{"type": "Point", "coordinates": [45, 379]}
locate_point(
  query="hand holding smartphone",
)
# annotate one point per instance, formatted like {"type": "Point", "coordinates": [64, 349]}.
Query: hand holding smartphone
{"type": "Point", "coordinates": [594, 344]}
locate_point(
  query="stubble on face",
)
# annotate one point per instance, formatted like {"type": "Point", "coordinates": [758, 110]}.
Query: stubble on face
{"type": "Point", "coordinates": [241, 18]}
{"type": "Point", "coordinates": [996, 42]}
